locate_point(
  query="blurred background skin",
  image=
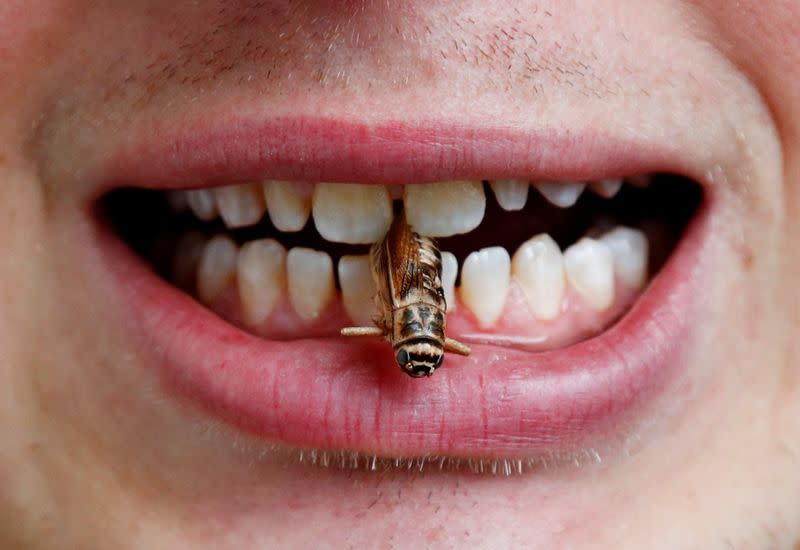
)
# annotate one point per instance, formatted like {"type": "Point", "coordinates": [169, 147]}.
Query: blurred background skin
{"type": "Point", "coordinates": [93, 456]}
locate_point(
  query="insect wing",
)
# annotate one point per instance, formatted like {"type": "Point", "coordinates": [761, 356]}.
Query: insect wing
{"type": "Point", "coordinates": [394, 264]}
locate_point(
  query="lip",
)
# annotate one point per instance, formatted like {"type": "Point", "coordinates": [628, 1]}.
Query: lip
{"type": "Point", "coordinates": [236, 149]}
{"type": "Point", "coordinates": [340, 394]}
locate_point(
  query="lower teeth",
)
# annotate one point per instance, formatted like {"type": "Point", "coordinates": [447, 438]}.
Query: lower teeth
{"type": "Point", "coordinates": [282, 285]}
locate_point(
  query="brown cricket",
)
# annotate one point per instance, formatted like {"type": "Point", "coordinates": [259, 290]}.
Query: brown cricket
{"type": "Point", "coordinates": [407, 270]}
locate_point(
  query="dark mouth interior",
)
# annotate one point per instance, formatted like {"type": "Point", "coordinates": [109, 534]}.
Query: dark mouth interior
{"type": "Point", "coordinates": [144, 220]}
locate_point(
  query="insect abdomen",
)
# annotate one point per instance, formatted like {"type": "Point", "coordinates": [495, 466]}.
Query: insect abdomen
{"type": "Point", "coordinates": [418, 338]}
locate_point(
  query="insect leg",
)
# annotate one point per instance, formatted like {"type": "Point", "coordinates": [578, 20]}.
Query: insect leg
{"type": "Point", "coordinates": [454, 346]}
{"type": "Point", "coordinates": [362, 331]}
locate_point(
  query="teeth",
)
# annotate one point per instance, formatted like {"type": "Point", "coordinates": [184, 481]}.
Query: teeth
{"type": "Point", "coordinates": [449, 274]}
{"type": "Point", "coordinates": [288, 207]}
{"type": "Point", "coordinates": [240, 205]}
{"type": "Point", "coordinates": [217, 268]}
{"type": "Point", "coordinates": [606, 188]}
{"type": "Point", "coordinates": [561, 193]}
{"type": "Point", "coordinates": [261, 272]}
{"type": "Point", "coordinates": [188, 252]}
{"type": "Point", "coordinates": [358, 289]}
{"type": "Point", "coordinates": [485, 277]}
{"type": "Point", "coordinates": [511, 194]}
{"type": "Point", "coordinates": [589, 266]}
{"type": "Point", "coordinates": [351, 213]}
{"type": "Point", "coordinates": [445, 209]}
{"type": "Point", "coordinates": [630, 250]}
{"type": "Point", "coordinates": [310, 281]}
{"type": "Point", "coordinates": [202, 203]}
{"type": "Point", "coordinates": [538, 267]}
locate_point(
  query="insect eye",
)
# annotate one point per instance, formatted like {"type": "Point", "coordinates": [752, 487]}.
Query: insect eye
{"type": "Point", "coordinates": [402, 358]}
{"type": "Point", "coordinates": [439, 360]}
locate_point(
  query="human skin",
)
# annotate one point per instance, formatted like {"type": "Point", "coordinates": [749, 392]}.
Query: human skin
{"type": "Point", "coordinates": [98, 453]}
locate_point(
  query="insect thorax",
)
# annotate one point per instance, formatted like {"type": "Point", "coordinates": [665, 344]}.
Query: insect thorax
{"type": "Point", "coordinates": [420, 320]}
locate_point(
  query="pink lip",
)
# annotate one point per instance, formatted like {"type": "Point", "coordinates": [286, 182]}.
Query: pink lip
{"type": "Point", "coordinates": [337, 393]}
{"type": "Point", "coordinates": [306, 149]}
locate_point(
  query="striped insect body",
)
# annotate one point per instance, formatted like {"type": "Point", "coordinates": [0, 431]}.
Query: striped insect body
{"type": "Point", "coordinates": [407, 268]}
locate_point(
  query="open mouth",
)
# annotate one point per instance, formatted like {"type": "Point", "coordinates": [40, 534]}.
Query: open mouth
{"type": "Point", "coordinates": [573, 295]}
{"type": "Point", "coordinates": [525, 265]}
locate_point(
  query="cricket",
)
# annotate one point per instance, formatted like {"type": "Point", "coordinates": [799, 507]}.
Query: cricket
{"type": "Point", "coordinates": [407, 270]}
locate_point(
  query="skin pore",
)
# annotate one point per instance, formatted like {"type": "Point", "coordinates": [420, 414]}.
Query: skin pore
{"type": "Point", "coordinates": [98, 452]}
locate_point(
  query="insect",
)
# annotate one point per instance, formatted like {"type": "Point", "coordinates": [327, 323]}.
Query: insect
{"type": "Point", "coordinates": [407, 270]}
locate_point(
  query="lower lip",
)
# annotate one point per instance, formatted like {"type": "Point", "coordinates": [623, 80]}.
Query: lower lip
{"type": "Point", "coordinates": [340, 394]}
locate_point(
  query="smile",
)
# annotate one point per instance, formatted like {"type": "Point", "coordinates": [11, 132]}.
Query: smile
{"type": "Point", "coordinates": [573, 284]}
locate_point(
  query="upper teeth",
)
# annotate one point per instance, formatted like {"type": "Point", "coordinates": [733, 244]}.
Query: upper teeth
{"type": "Point", "coordinates": [563, 194]}
{"type": "Point", "coordinates": [445, 209]}
{"type": "Point", "coordinates": [360, 214]}
{"type": "Point", "coordinates": [606, 188]}
{"type": "Point", "coordinates": [350, 213]}
{"type": "Point", "coordinates": [511, 194]}
{"type": "Point", "coordinates": [288, 207]}
{"type": "Point", "coordinates": [240, 205]}
{"type": "Point", "coordinates": [202, 203]}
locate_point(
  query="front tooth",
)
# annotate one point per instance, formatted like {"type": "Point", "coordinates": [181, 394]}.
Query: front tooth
{"type": "Point", "coordinates": [240, 205]}
{"type": "Point", "coordinates": [358, 289]}
{"type": "Point", "coordinates": [561, 193]}
{"type": "Point", "coordinates": [630, 250]}
{"type": "Point", "coordinates": [310, 281]}
{"type": "Point", "coordinates": [288, 207]}
{"type": "Point", "coordinates": [538, 267]}
{"type": "Point", "coordinates": [511, 194]}
{"type": "Point", "coordinates": [261, 272]}
{"type": "Point", "coordinates": [217, 268]}
{"type": "Point", "coordinates": [606, 188]}
{"type": "Point", "coordinates": [589, 265]}
{"type": "Point", "coordinates": [352, 213]}
{"type": "Point", "coordinates": [485, 277]}
{"type": "Point", "coordinates": [445, 209]}
{"type": "Point", "coordinates": [202, 203]}
{"type": "Point", "coordinates": [449, 274]}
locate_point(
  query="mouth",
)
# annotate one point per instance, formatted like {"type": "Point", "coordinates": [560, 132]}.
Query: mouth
{"type": "Point", "coordinates": [572, 292]}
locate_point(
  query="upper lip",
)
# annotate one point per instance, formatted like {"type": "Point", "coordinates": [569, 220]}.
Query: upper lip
{"type": "Point", "coordinates": [343, 394]}
{"type": "Point", "coordinates": [237, 149]}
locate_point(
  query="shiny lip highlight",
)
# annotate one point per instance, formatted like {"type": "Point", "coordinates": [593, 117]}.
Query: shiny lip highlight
{"type": "Point", "coordinates": [339, 394]}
